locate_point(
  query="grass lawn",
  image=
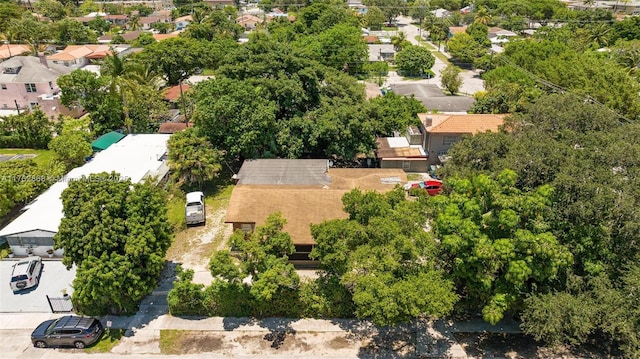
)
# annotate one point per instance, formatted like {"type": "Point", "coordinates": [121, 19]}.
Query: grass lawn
{"type": "Point", "coordinates": [441, 56]}
{"type": "Point", "coordinates": [208, 72]}
{"type": "Point", "coordinates": [425, 43]}
{"type": "Point", "coordinates": [43, 157]}
{"type": "Point", "coordinates": [216, 196]}
{"type": "Point", "coordinates": [390, 28]}
{"type": "Point", "coordinates": [110, 339]}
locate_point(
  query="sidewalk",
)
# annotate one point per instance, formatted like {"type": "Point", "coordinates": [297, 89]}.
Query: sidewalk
{"type": "Point", "coordinates": [471, 81]}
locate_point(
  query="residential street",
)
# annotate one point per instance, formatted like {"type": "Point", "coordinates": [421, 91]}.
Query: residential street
{"type": "Point", "coordinates": [471, 82]}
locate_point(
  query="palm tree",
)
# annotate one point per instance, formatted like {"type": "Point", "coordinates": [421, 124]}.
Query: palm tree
{"type": "Point", "coordinates": [124, 76]}
{"type": "Point", "coordinates": [399, 40]}
{"type": "Point", "coordinates": [600, 34]}
{"type": "Point", "coordinates": [134, 23]}
{"type": "Point", "coordinates": [482, 16]}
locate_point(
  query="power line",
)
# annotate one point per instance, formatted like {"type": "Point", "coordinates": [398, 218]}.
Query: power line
{"type": "Point", "coordinates": [560, 89]}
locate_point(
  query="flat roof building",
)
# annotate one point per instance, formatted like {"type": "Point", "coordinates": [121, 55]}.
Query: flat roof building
{"type": "Point", "coordinates": [135, 157]}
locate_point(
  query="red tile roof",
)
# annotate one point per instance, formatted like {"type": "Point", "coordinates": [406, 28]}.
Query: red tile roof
{"type": "Point", "coordinates": [173, 93]}
{"type": "Point", "coordinates": [173, 127]}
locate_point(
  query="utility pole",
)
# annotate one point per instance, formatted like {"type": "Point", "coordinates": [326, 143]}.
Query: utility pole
{"type": "Point", "coordinates": [184, 106]}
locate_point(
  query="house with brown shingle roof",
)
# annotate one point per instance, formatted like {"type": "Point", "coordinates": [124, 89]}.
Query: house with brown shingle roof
{"type": "Point", "coordinates": [147, 21]}
{"type": "Point", "coordinates": [173, 127]}
{"type": "Point", "coordinates": [248, 21]}
{"type": "Point", "coordinates": [443, 131]}
{"type": "Point", "coordinates": [305, 191]}
{"type": "Point", "coordinates": [404, 152]}
{"type": "Point", "coordinates": [127, 36]}
{"type": "Point", "coordinates": [171, 35]}
{"type": "Point", "coordinates": [172, 94]}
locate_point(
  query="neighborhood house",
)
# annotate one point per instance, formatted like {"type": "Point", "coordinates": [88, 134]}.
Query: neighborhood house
{"type": "Point", "coordinates": [136, 157]}
{"type": "Point", "coordinates": [305, 191]}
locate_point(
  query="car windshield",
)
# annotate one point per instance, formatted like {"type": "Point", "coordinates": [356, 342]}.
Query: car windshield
{"type": "Point", "coordinates": [52, 326]}
{"type": "Point", "coordinates": [17, 278]}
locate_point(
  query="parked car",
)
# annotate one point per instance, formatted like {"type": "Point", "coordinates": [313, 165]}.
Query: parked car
{"type": "Point", "coordinates": [431, 186]}
{"type": "Point", "coordinates": [26, 273]}
{"type": "Point", "coordinates": [69, 330]}
{"type": "Point", "coordinates": [194, 208]}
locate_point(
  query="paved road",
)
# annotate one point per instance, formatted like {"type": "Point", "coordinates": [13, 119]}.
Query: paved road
{"type": "Point", "coordinates": [471, 82]}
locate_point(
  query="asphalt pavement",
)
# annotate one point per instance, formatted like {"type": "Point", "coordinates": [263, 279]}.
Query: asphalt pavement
{"type": "Point", "coordinates": [471, 81]}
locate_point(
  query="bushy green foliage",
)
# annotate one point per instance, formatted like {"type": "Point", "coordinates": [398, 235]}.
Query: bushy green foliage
{"type": "Point", "coordinates": [187, 298]}
{"type": "Point", "coordinates": [26, 130]}
{"type": "Point", "coordinates": [263, 258]}
{"type": "Point", "coordinates": [451, 79]}
{"type": "Point", "coordinates": [116, 234]}
{"type": "Point", "coordinates": [192, 159]}
{"type": "Point", "coordinates": [384, 258]}
{"type": "Point", "coordinates": [497, 240]}
{"type": "Point", "coordinates": [414, 60]}
{"type": "Point", "coordinates": [22, 180]}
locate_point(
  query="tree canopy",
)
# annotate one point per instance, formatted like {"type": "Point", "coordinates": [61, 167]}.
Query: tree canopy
{"type": "Point", "coordinates": [116, 233]}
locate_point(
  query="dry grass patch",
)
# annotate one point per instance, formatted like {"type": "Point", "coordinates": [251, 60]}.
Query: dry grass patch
{"type": "Point", "coordinates": [188, 342]}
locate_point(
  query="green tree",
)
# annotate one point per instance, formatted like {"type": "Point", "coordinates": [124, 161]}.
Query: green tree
{"type": "Point", "coordinates": [497, 240]}
{"type": "Point", "coordinates": [374, 18]}
{"type": "Point", "coordinates": [384, 258]}
{"type": "Point", "coordinates": [162, 27]}
{"type": "Point", "coordinates": [28, 30]}
{"type": "Point", "coordinates": [400, 41]}
{"type": "Point", "coordinates": [341, 47]}
{"type": "Point", "coordinates": [176, 58]}
{"type": "Point", "coordinates": [483, 16]}
{"type": "Point", "coordinates": [86, 89]}
{"type": "Point", "coordinates": [88, 7]}
{"type": "Point", "coordinates": [414, 60]}
{"type": "Point", "coordinates": [390, 8]}
{"type": "Point", "coordinates": [464, 48]}
{"type": "Point", "coordinates": [117, 234]}
{"type": "Point", "coordinates": [393, 112]}
{"type": "Point", "coordinates": [192, 158]}
{"type": "Point", "coordinates": [99, 25]}
{"type": "Point", "coordinates": [420, 10]}
{"type": "Point", "coordinates": [8, 11]}
{"type": "Point", "coordinates": [71, 148]}
{"type": "Point", "coordinates": [237, 116]}
{"type": "Point", "coordinates": [263, 256]}
{"type": "Point", "coordinates": [52, 9]}
{"type": "Point", "coordinates": [7, 195]}
{"type": "Point", "coordinates": [28, 129]}
{"type": "Point", "coordinates": [560, 318]}
{"type": "Point", "coordinates": [72, 32]}
{"type": "Point", "coordinates": [145, 39]}
{"type": "Point", "coordinates": [451, 79]}
{"type": "Point", "coordinates": [480, 33]}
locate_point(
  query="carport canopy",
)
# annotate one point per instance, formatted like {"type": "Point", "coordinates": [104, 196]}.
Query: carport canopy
{"type": "Point", "coordinates": [103, 142]}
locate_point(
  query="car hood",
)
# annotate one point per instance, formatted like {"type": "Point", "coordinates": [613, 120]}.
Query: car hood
{"type": "Point", "coordinates": [40, 331]}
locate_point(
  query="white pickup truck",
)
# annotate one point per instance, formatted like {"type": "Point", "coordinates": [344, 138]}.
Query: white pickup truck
{"type": "Point", "coordinates": [194, 209]}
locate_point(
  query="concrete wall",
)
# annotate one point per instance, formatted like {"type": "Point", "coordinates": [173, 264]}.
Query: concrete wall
{"type": "Point", "coordinates": [434, 145]}
{"type": "Point", "coordinates": [408, 165]}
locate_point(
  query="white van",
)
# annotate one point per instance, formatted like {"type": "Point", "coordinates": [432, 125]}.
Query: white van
{"type": "Point", "coordinates": [26, 273]}
{"type": "Point", "coordinates": [194, 208]}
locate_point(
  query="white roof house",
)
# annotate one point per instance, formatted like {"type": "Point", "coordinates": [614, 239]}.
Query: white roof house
{"type": "Point", "coordinates": [135, 157]}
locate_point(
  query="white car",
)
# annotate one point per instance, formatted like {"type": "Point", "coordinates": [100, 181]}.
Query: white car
{"type": "Point", "coordinates": [194, 208]}
{"type": "Point", "coordinates": [26, 273]}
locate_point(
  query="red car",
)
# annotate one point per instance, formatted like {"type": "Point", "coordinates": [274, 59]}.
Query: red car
{"type": "Point", "coordinates": [431, 186]}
